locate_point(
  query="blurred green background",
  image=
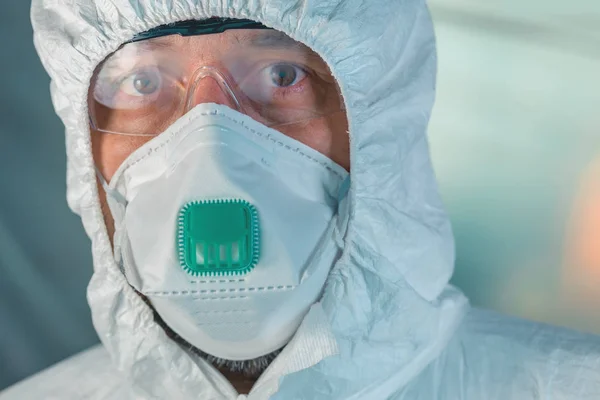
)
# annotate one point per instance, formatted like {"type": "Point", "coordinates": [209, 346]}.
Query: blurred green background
{"type": "Point", "coordinates": [514, 133]}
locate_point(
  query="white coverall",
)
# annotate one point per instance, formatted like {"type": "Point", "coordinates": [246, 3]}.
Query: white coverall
{"type": "Point", "coordinates": [389, 326]}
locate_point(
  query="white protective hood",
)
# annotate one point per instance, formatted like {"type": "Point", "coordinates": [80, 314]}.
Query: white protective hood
{"type": "Point", "coordinates": [387, 310]}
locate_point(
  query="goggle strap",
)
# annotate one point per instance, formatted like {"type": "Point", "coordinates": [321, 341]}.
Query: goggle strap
{"type": "Point", "coordinates": [198, 27]}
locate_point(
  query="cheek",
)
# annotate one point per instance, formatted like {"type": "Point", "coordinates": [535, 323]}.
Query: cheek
{"type": "Point", "coordinates": [340, 143]}
{"type": "Point", "coordinates": [110, 150]}
{"type": "Point", "coordinates": [108, 219]}
{"type": "Point", "coordinates": [328, 136]}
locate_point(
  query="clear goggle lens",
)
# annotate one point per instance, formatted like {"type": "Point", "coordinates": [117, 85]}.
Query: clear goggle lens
{"type": "Point", "coordinates": [145, 86]}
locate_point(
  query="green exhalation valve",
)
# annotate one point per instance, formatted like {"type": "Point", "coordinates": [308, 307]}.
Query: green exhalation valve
{"type": "Point", "coordinates": [218, 237]}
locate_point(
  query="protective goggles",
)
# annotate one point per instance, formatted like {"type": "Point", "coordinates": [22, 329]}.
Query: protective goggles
{"type": "Point", "coordinates": [152, 81]}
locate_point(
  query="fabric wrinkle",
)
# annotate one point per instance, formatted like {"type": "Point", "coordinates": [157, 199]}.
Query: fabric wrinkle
{"type": "Point", "coordinates": [389, 325]}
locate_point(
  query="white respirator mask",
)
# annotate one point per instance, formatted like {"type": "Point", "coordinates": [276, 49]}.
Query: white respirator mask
{"type": "Point", "coordinates": [229, 228]}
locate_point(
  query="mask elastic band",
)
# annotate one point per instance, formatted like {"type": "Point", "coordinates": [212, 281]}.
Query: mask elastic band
{"type": "Point", "coordinates": [110, 191]}
{"type": "Point", "coordinates": [344, 189]}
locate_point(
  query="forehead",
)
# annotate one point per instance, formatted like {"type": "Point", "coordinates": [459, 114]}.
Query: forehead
{"type": "Point", "coordinates": [243, 38]}
{"type": "Point", "coordinates": [234, 44]}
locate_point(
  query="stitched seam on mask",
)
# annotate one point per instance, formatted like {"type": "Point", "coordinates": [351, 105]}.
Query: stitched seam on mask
{"type": "Point", "coordinates": [205, 298]}
{"type": "Point", "coordinates": [228, 323]}
{"type": "Point", "coordinates": [225, 312]}
{"type": "Point", "coordinates": [213, 291]}
{"type": "Point", "coordinates": [220, 281]}
{"type": "Point", "coordinates": [240, 123]}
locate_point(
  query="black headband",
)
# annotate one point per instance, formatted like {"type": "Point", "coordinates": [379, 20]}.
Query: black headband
{"type": "Point", "coordinates": [198, 27]}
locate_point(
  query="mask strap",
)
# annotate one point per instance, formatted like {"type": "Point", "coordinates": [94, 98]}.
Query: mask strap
{"type": "Point", "coordinates": [114, 194]}
{"type": "Point", "coordinates": [343, 213]}
{"type": "Point", "coordinates": [344, 189]}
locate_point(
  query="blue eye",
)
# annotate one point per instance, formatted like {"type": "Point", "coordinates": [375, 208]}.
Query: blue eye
{"type": "Point", "coordinates": [285, 75]}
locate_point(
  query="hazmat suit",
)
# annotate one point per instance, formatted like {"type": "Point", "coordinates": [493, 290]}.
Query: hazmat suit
{"type": "Point", "coordinates": [388, 325]}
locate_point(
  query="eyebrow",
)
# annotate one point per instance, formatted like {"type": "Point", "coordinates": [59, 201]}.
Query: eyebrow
{"type": "Point", "coordinates": [263, 39]}
{"type": "Point", "coordinates": [158, 42]}
{"type": "Point", "coordinates": [271, 39]}
{"type": "Point", "coordinates": [258, 38]}
{"type": "Point", "coordinates": [276, 40]}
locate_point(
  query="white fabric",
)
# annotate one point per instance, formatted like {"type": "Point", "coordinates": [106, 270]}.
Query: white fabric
{"type": "Point", "coordinates": [90, 372]}
{"type": "Point", "coordinates": [216, 153]}
{"type": "Point", "coordinates": [388, 325]}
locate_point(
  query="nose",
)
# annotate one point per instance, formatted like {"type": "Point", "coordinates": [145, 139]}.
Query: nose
{"type": "Point", "coordinates": [209, 87]}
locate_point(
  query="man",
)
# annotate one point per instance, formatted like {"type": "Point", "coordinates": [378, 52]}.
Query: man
{"type": "Point", "coordinates": [209, 160]}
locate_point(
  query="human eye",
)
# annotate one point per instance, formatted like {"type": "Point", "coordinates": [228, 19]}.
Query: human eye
{"type": "Point", "coordinates": [144, 82]}
{"type": "Point", "coordinates": [131, 89]}
{"type": "Point", "coordinates": [283, 75]}
{"type": "Point", "coordinates": [275, 82]}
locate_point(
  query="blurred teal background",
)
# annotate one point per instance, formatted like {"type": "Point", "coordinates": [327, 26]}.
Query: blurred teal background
{"type": "Point", "coordinates": [45, 260]}
{"type": "Point", "coordinates": [514, 133]}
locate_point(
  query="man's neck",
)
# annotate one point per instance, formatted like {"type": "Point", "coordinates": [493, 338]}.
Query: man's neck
{"type": "Point", "coordinates": [242, 383]}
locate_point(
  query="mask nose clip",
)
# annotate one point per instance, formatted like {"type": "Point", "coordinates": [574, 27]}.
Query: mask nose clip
{"type": "Point", "coordinates": [193, 97]}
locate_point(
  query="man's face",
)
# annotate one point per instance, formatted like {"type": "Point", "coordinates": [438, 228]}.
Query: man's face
{"type": "Point", "coordinates": [308, 85]}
